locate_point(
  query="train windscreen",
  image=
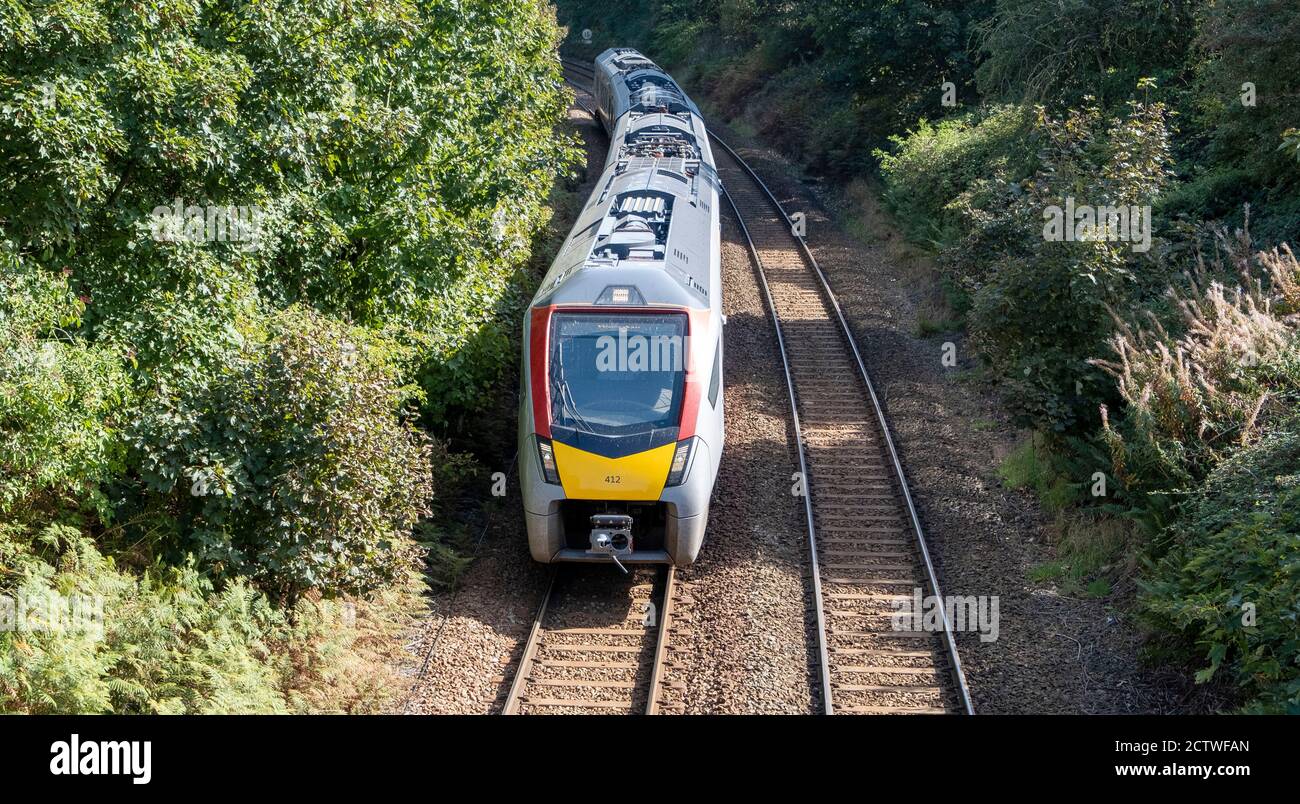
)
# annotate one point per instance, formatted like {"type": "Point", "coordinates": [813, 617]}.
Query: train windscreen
{"type": "Point", "coordinates": [617, 374]}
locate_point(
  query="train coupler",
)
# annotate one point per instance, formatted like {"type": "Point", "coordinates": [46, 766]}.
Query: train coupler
{"type": "Point", "coordinates": [611, 535]}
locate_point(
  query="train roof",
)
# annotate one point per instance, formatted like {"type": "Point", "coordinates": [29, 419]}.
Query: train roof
{"type": "Point", "coordinates": [647, 225]}
{"type": "Point", "coordinates": [641, 84]}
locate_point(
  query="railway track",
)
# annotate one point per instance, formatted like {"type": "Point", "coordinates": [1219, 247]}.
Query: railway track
{"type": "Point", "coordinates": [867, 550]}
{"type": "Point", "coordinates": [598, 645]}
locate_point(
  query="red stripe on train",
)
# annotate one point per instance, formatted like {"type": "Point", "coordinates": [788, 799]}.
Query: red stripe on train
{"type": "Point", "coordinates": [538, 331]}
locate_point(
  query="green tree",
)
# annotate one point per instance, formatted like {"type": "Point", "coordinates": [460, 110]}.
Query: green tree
{"type": "Point", "coordinates": [1038, 51]}
{"type": "Point", "coordinates": [1041, 308]}
{"type": "Point", "coordinates": [291, 467]}
{"type": "Point", "coordinates": [400, 156]}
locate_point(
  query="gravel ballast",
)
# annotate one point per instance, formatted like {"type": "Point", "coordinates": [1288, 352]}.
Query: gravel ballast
{"type": "Point", "coordinates": [1053, 653]}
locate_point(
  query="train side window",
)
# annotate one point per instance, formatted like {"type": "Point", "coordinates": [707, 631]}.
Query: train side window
{"type": "Point", "coordinates": [715, 383]}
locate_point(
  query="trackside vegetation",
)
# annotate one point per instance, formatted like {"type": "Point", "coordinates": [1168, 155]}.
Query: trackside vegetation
{"type": "Point", "coordinates": [254, 258]}
{"type": "Point", "coordinates": [1156, 364]}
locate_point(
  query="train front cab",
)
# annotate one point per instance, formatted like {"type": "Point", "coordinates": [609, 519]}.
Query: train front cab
{"type": "Point", "coordinates": [618, 466]}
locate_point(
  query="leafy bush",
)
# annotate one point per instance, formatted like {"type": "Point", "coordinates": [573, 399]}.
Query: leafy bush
{"type": "Point", "coordinates": [931, 166]}
{"type": "Point", "coordinates": [1253, 41]}
{"type": "Point", "coordinates": [675, 41]}
{"type": "Point", "coordinates": [61, 399]}
{"type": "Point", "coordinates": [1229, 583]}
{"type": "Point", "coordinates": [1043, 465]}
{"type": "Point", "coordinates": [168, 642]}
{"type": "Point", "coordinates": [345, 655]}
{"type": "Point", "coordinates": [162, 643]}
{"type": "Point", "coordinates": [294, 467]}
{"type": "Point", "coordinates": [888, 60]}
{"type": "Point", "coordinates": [1040, 306]}
{"type": "Point", "coordinates": [1068, 49]}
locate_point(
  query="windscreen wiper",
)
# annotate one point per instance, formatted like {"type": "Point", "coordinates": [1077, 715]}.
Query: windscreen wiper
{"type": "Point", "coordinates": [569, 404]}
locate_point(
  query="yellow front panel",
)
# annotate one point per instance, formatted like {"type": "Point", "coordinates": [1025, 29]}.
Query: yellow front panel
{"type": "Point", "coordinates": [586, 476]}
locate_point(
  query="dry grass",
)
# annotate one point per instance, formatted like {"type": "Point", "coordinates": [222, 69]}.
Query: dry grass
{"type": "Point", "coordinates": [1198, 394]}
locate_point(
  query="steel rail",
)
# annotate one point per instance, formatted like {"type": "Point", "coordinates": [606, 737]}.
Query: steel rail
{"type": "Point", "coordinates": [665, 580]}
{"type": "Point", "coordinates": [520, 682]}
{"type": "Point", "coordinates": [823, 658]}
{"type": "Point", "coordinates": [664, 618]}
{"type": "Point", "coordinates": [574, 64]}
{"type": "Point", "coordinates": [932, 577]}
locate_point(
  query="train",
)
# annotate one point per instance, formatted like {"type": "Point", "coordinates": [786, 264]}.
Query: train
{"type": "Point", "coordinates": [621, 415]}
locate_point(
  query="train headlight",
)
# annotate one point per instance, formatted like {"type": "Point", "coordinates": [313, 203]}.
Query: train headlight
{"type": "Point", "coordinates": [547, 456]}
{"type": "Point", "coordinates": [681, 459]}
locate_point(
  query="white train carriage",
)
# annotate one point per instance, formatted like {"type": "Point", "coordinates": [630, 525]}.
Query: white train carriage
{"type": "Point", "coordinates": [621, 423]}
